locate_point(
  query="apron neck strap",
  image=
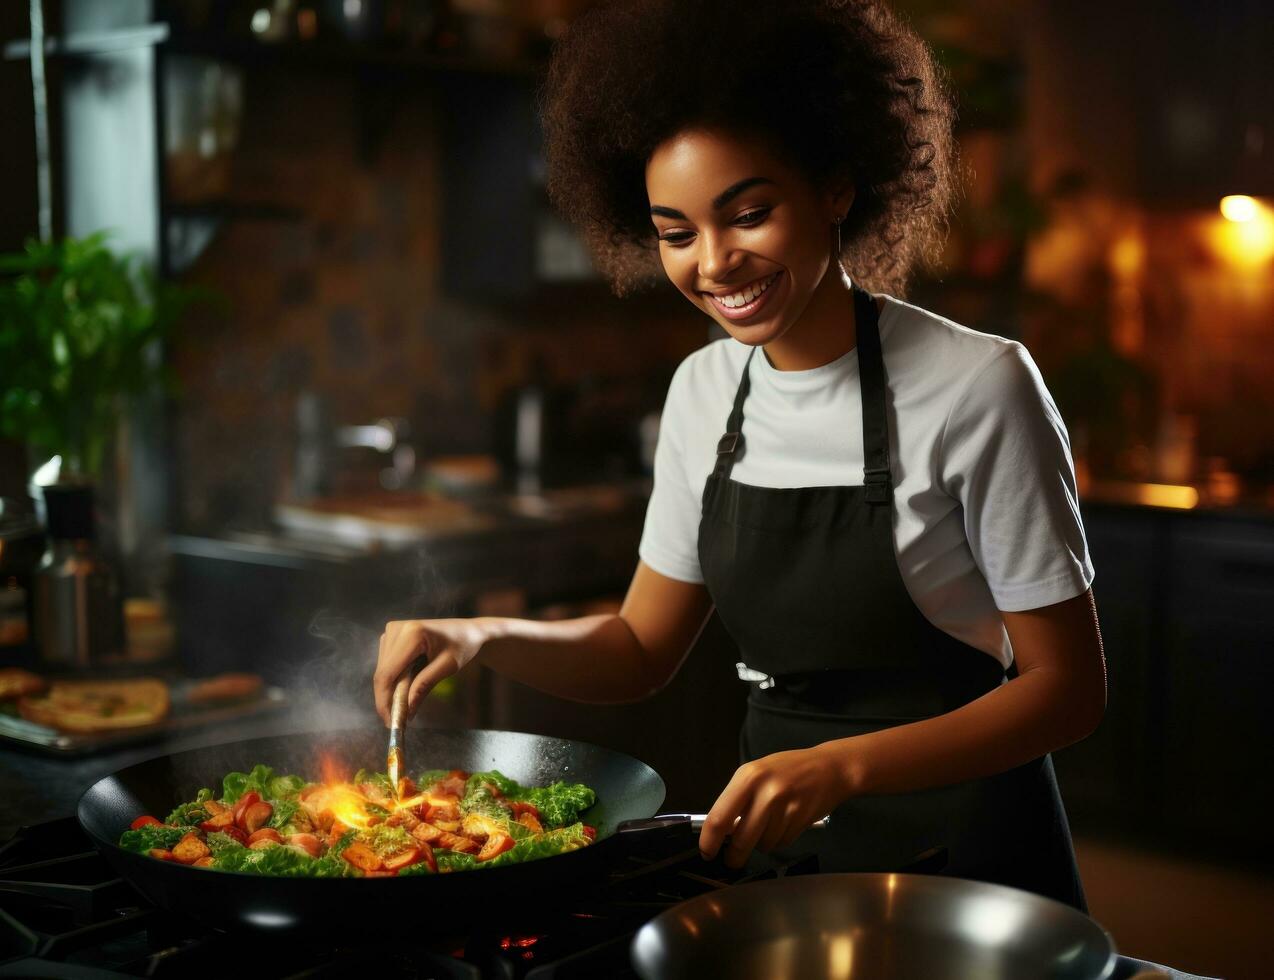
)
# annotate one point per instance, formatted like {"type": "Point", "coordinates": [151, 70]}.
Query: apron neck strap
{"type": "Point", "coordinates": [871, 373]}
{"type": "Point", "coordinates": [871, 385]}
{"type": "Point", "coordinates": [731, 444]}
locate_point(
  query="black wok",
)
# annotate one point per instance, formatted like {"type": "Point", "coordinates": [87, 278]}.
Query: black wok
{"type": "Point", "coordinates": [627, 790]}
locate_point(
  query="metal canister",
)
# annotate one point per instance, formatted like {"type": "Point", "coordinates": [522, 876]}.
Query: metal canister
{"type": "Point", "coordinates": [21, 545]}
{"type": "Point", "coordinates": [78, 609]}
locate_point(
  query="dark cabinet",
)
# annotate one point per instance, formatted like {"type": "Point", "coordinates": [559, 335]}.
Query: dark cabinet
{"type": "Point", "coordinates": [1186, 603]}
{"type": "Point", "coordinates": [1105, 776]}
{"type": "Point", "coordinates": [1219, 682]}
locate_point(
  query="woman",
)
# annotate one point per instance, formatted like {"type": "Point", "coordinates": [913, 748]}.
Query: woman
{"type": "Point", "coordinates": [879, 503]}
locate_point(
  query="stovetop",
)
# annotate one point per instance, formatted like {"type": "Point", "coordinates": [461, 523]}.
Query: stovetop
{"type": "Point", "coordinates": [65, 913]}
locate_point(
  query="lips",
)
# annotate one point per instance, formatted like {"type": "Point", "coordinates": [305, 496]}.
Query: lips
{"type": "Point", "coordinates": [751, 308]}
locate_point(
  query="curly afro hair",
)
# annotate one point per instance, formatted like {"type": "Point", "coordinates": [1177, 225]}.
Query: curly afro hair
{"type": "Point", "coordinates": [842, 89]}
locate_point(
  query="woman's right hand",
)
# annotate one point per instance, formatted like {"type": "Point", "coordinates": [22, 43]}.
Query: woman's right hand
{"type": "Point", "coordinates": [449, 645]}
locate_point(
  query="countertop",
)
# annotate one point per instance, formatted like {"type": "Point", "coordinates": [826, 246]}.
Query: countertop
{"type": "Point", "coordinates": [35, 787]}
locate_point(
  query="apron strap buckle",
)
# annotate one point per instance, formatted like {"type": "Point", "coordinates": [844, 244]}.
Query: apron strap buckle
{"type": "Point", "coordinates": [729, 443]}
{"type": "Point", "coordinates": [762, 680]}
{"type": "Point", "coordinates": [880, 486]}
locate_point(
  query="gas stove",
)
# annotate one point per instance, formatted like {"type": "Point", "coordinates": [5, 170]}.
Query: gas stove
{"type": "Point", "coordinates": [64, 913]}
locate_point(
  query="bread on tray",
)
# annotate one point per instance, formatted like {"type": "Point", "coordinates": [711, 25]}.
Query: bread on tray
{"type": "Point", "coordinates": [16, 682]}
{"type": "Point", "coordinates": [98, 706]}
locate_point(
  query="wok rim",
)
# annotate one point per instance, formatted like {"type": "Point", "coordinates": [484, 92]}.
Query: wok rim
{"type": "Point", "coordinates": [114, 852]}
{"type": "Point", "coordinates": [668, 918]}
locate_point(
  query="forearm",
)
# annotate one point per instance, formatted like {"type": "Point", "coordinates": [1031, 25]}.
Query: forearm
{"type": "Point", "coordinates": [1035, 713]}
{"type": "Point", "coordinates": [592, 658]}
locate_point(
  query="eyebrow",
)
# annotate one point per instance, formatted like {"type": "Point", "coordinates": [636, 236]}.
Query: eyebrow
{"type": "Point", "coordinates": [718, 202]}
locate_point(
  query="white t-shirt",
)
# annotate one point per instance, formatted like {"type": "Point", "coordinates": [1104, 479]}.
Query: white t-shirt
{"type": "Point", "coordinates": [986, 514]}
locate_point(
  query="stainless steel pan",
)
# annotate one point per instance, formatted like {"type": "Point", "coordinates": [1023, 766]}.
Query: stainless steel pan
{"type": "Point", "coordinates": [873, 926]}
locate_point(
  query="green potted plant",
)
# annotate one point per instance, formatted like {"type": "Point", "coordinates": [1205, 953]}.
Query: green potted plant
{"type": "Point", "coordinates": [77, 325]}
{"type": "Point", "coordinates": [78, 331]}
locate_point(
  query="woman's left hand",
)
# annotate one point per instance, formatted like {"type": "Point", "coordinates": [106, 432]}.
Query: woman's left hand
{"type": "Point", "coordinates": [773, 800]}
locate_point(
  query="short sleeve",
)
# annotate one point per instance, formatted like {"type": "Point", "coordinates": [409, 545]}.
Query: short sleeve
{"type": "Point", "coordinates": [670, 536]}
{"type": "Point", "coordinates": [1005, 455]}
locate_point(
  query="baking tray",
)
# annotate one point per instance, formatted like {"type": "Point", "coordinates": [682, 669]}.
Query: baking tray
{"type": "Point", "coordinates": [184, 717]}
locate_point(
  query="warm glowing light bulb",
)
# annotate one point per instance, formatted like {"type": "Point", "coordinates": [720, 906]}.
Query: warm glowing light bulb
{"type": "Point", "coordinates": [1239, 207]}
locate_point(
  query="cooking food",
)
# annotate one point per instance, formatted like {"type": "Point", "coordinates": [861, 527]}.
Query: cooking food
{"type": "Point", "coordinates": [269, 824]}
{"type": "Point", "coordinates": [16, 682]}
{"type": "Point", "coordinates": [225, 687]}
{"type": "Point", "coordinates": [98, 706]}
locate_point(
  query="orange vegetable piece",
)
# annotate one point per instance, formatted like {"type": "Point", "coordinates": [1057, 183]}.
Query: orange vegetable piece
{"type": "Point", "coordinates": [190, 849]}
{"type": "Point", "coordinates": [363, 857]}
{"type": "Point", "coordinates": [255, 817]}
{"type": "Point", "coordinates": [496, 845]}
{"type": "Point", "coordinates": [403, 859]}
{"type": "Point", "coordinates": [265, 833]}
{"type": "Point", "coordinates": [219, 821]}
{"type": "Point", "coordinates": [307, 841]}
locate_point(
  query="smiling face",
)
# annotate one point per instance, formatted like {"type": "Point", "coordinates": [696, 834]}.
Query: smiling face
{"type": "Point", "coordinates": [744, 235]}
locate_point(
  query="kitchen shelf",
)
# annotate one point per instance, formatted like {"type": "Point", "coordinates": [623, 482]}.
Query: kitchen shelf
{"type": "Point", "coordinates": [224, 210]}
{"type": "Point", "coordinates": [91, 42]}
{"type": "Point", "coordinates": [327, 55]}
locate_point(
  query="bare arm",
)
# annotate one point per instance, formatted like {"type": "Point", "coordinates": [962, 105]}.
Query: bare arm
{"type": "Point", "coordinates": [1058, 698]}
{"type": "Point", "coordinates": [605, 658]}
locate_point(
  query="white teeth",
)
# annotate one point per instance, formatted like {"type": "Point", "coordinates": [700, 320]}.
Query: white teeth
{"type": "Point", "coordinates": [747, 295]}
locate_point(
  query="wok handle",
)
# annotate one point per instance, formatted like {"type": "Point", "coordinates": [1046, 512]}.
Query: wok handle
{"type": "Point", "coordinates": [677, 821]}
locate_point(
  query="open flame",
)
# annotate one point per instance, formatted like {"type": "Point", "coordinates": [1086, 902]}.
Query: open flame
{"type": "Point", "coordinates": [348, 803]}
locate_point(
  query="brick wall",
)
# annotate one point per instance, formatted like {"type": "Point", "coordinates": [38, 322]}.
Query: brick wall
{"type": "Point", "coordinates": [346, 301]}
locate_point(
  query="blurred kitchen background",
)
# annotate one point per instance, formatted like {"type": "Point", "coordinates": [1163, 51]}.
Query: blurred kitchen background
{"type": "Point", "coordinates": [399, 389]}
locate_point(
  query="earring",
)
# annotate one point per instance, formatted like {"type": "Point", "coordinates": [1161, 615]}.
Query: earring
{"type": "Point", "coordinates": [839, 264]}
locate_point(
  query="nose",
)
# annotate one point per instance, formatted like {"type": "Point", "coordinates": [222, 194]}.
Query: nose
{"type": "Point", "coordinates": [718, 257]}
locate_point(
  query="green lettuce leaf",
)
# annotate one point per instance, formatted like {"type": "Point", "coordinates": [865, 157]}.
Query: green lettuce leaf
{"type": "Point", "coordinates": [260, 780]}
{"type": "Point", "coordinates": [152, 835]}
{"type": "Point", "coordinates": [561, 803]}
{"type": "Point", "coordinates": [282, 862]}
{"type": "Point", "coordinates": [218, 842]}
{"type": "Point", "coordinates": [284, 811]}
{"type": "Point", "coordinates": [191, 814]}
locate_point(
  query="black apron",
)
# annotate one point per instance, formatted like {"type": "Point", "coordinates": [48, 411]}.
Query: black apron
{"type": "Point", "coordinates": [807, 583]}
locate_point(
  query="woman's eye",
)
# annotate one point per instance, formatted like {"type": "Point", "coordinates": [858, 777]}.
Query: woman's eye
{"type": "Point", "coordinates": [676, 238]}
{"type": "Point", "coordinates": [752, 217]}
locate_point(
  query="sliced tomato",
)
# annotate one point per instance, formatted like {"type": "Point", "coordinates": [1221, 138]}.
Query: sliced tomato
{"type": "Point", "coordinates": [204, 862]}
{"type": "Point", "coordinates": [426, 833]}
{"type": "Point", "coordinates": [427, 853]}
{"type": "Point", "coordinates": [145, 821]}
{"type": "Point", "coordinates": [403, 859]}
{"type": "Point", "coordinates": [220, 821]}
{"type": "Point", "coordinates": [531, 822]}
{"type": "Point", "coordinates": [454, 842]}
{"type": "Point", "coordinates": [263, 843]}
{"type": "Point", "coordinates": [590, 832]}
{"type": "Point", "coordinates": [265, 833]}
{"type": "Point", "coordinates": [307, 842]}
{"type": "Point", "coordinates": [245, 801]}
{"type": "Point", "coordinates": [362, 857]}
{"type": "Point", "coordinates": [379, 874]}
{"type": "Point", "coordinates": [255, 817]}
{"type": "Point", "coordinates": [519, 807]}
{"type": "Point", "coordinates": [237, 834]}
{"type": "Point", "coordinates": [496, 845]}
{"type": "Point", "coordinates": [212, 807]}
